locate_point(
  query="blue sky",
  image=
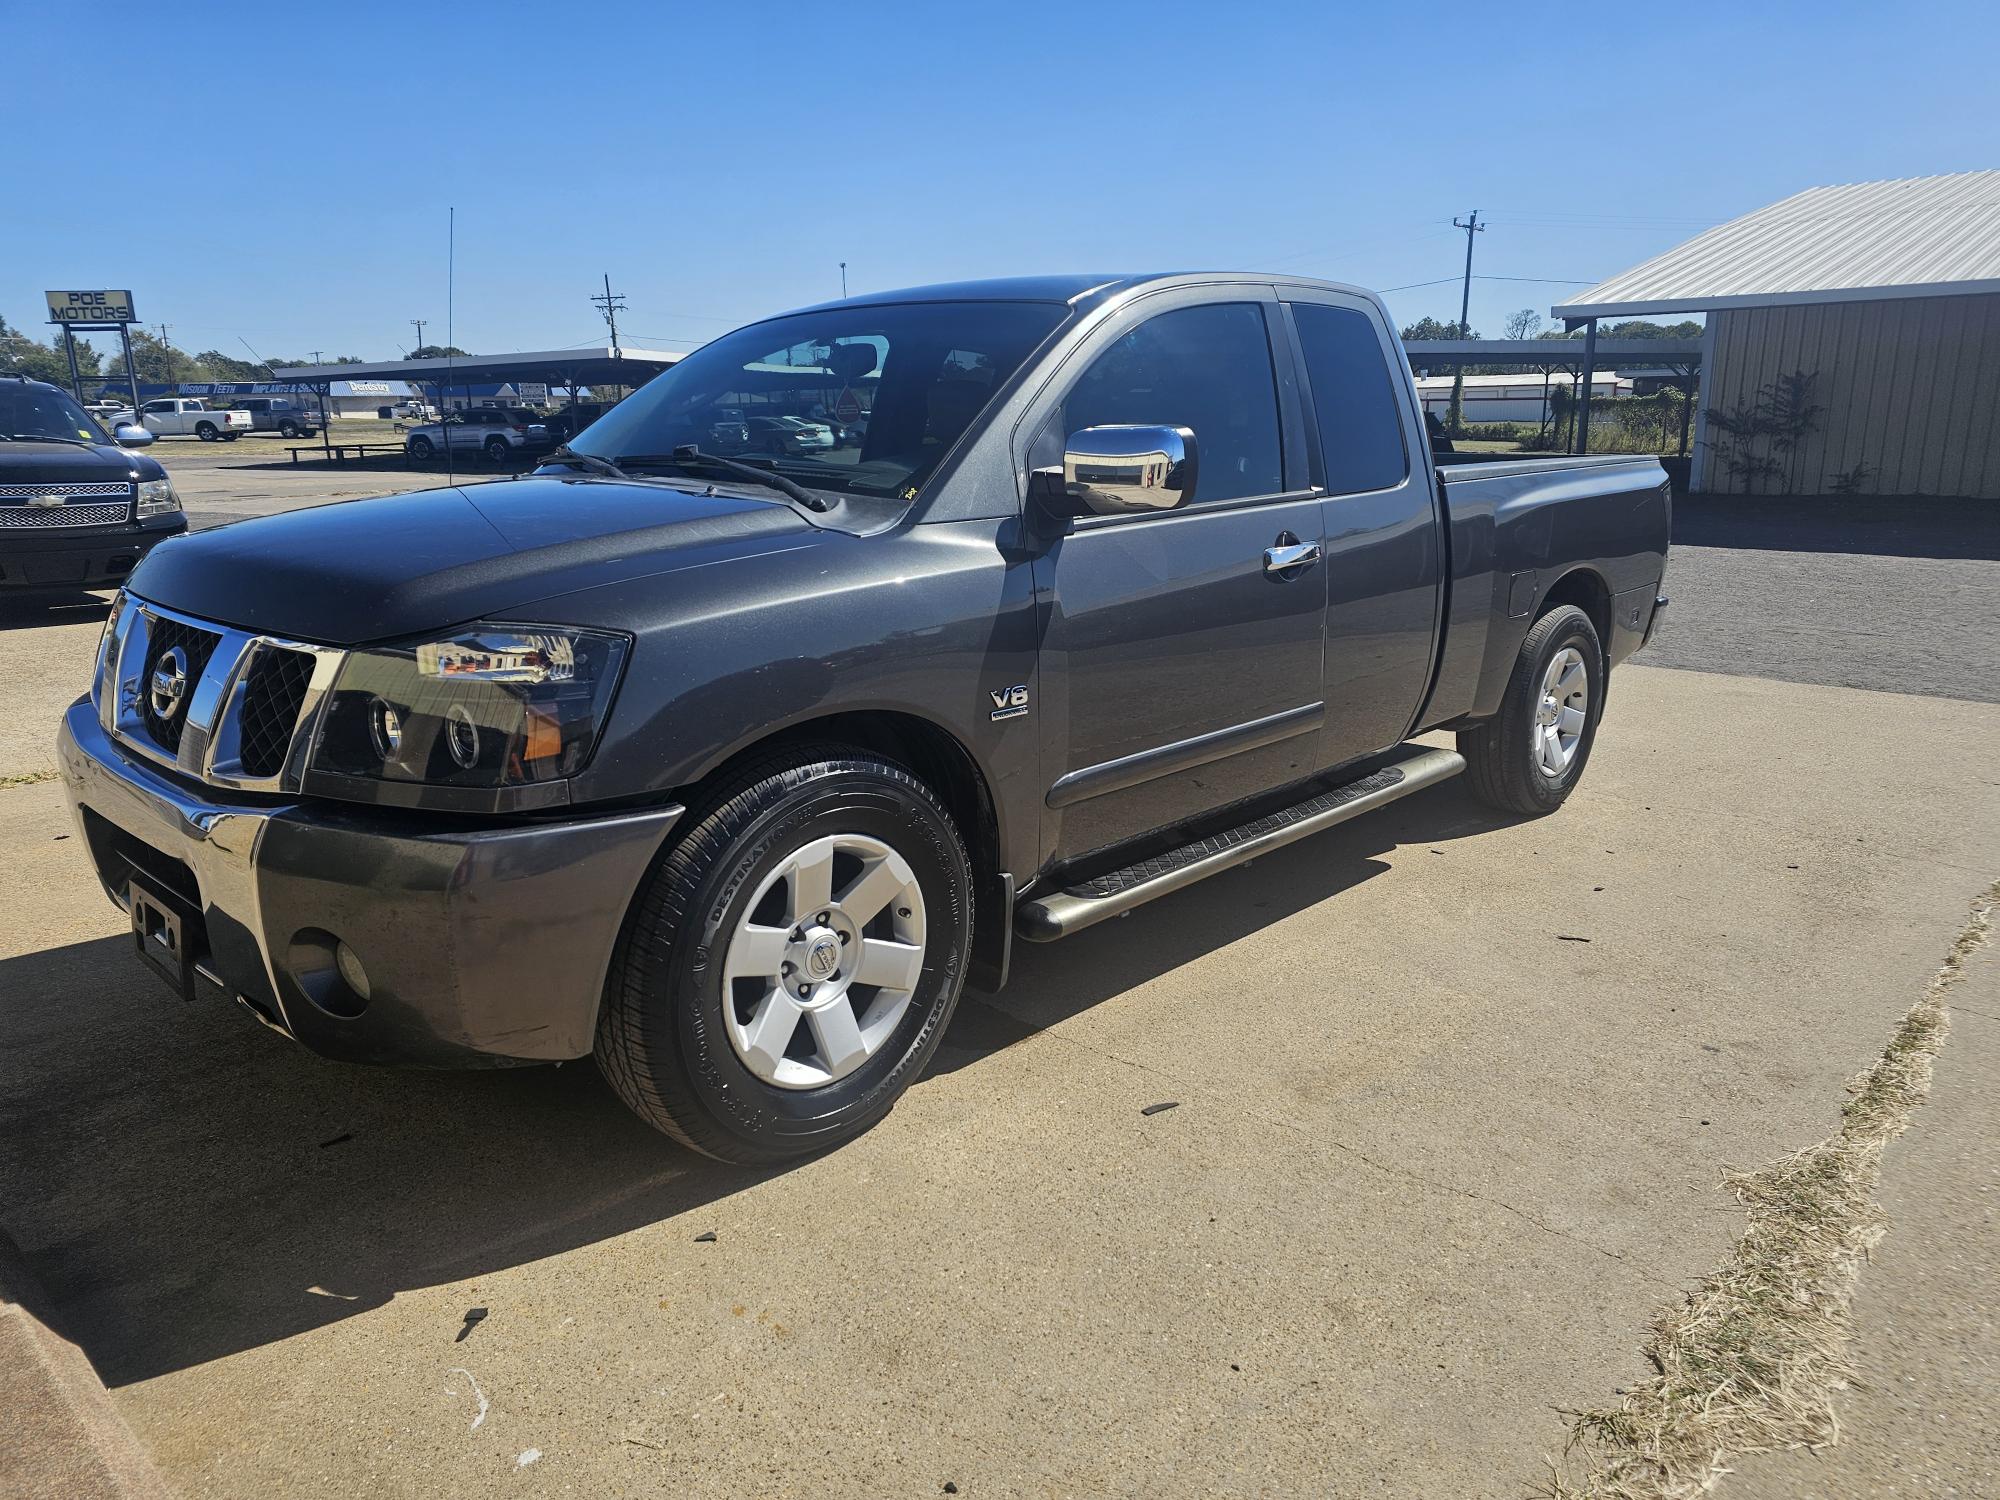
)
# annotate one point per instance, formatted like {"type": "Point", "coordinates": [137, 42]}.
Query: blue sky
{"type": "Point", "coordinates": [280, 174]}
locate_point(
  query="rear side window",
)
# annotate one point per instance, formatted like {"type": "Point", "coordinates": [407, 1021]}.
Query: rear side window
{"type": "Point", "coordinates": [1354, 399]}
{"type": "Point", "coordinates": [1208, 368]}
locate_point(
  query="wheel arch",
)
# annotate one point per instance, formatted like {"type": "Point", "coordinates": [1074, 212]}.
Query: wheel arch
{"type": "Point", "coordinates": [938, 757]}
{"type": "Point", "coordinates": [1586, 588]}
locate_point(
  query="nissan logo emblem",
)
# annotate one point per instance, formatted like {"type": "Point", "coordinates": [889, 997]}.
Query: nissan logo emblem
{"type": "Point", "coordinates": [169, 685]}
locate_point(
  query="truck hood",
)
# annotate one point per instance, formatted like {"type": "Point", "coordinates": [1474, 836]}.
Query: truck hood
{"type": "Point", "coordinates": [24, 462]}
{"type": "Point", "coordinates": [373, 570]}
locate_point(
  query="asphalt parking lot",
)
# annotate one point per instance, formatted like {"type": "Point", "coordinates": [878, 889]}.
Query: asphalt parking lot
{"type": "Point", "coordinates": [1454, 1095]}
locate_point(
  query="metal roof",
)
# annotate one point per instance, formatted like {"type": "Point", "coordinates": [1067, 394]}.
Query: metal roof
{"type": "Point", "coordinates": [607, 366]}
{"type": "Point", "coordinates": [1864, 242]}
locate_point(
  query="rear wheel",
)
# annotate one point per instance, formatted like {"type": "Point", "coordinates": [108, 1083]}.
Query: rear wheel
{"type": "Point", "coordinates": [789, 966]}
{"type": "Point", "coordinates": [1528, 757]}
{"type": "Point", "coordinates": [205, 431]}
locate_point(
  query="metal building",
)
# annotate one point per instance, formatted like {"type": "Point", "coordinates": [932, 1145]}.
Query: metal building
{"type": "Point", "coordinates": [1852, 341]}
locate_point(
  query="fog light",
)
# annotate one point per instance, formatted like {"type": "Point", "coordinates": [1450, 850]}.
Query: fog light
{"type": "Point", "coordinates": [349, 963]}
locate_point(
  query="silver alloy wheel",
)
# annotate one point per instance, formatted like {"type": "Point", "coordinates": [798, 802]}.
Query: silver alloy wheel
{"type": "Point", "coordinates": [845, 963]}
{"type": "Point", "coordinates": [1564, 710]}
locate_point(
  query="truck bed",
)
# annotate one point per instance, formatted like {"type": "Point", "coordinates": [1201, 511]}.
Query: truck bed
{"type": "Point", "coordinates": [1519, 530]}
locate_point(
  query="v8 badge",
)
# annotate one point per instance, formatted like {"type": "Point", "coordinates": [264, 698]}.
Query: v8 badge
{"type": "Point", "coordinates": [1010, 703]}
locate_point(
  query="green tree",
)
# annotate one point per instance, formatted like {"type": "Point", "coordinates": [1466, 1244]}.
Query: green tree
{"type": "Point", "coordinates": [1431, 328]}
{"type": "Point", "coordinates": [428, 351]}
{"type": "Point", "coordinates": [222, 366]}
{"type": "Point", "coordinates": [155, 361]}
{"type": "Point", "coordinates": [22, 354]}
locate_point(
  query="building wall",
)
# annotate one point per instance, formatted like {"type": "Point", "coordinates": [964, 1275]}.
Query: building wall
{"type": "Point", "coordinates": [1909, 389]}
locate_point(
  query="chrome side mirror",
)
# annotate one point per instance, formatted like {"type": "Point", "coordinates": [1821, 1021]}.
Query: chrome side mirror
{"type": "Point", "coordinates": [1117, 470]}
{"type": "Point", "coordinates": [126, 435]}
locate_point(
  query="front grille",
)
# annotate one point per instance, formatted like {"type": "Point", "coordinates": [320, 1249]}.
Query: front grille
{"type": "Point", "coordinates": [96, 489]}
{"type": "Point", "coordinates": [273, 693]}
{"type": "Point", "coordinates": [197, 645]}
{"type": "Point", "coordinates": [21, 517]}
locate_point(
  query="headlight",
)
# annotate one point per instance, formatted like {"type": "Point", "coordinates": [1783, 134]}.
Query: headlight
{"type": "Point", "coordinates": [157, 498]}
{"type": "Point", "coordinates": [487, 709]}
{"type": "Point", "coordinates": [100, 687]}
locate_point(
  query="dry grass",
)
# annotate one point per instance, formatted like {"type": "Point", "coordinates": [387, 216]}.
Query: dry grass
{"type": "Point", "coordinates": [28, 778]}
{"type": "Point", "coordinates": [1752, 1360]}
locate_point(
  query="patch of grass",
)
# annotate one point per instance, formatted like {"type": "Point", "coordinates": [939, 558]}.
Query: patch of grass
{"type": "Point", "coordinates": [1752, 1360]}
{"type": "Point", "coordinates": [28, 778]}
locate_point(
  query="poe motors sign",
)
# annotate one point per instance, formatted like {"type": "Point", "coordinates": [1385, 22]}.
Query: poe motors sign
{"type": "Point", "coordinates": [91, 307]}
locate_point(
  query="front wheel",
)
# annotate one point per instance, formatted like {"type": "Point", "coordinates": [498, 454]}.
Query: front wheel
{"type": "Point", "coordinates": [1528, 757]}
{"type": "Point", "coordinates": [789, 966]}
{"type": "Point", "coordinates": [421, 450]}
{"type": "Point", "coordinates": [497, 450]}
{"type": "Point", "coordinates": [288, 429]}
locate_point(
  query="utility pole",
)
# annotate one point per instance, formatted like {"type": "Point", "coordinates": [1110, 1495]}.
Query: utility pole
{"type": "Point", "coordinates": [611, 305]}
{"type": "Point", "coordinates": [316, 356]}
{"type": "Point", "coordinates": [843, 280]}
{"type": "Point", "coordinates": [167, 353]}
{"type": "Point", "coordinates": [1455, 418]}
{"type": "Point", "coordinates": [418, 324]}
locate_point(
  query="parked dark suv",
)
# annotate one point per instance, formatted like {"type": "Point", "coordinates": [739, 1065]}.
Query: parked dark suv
{"type": "Point", "coordinates": [76, 511]}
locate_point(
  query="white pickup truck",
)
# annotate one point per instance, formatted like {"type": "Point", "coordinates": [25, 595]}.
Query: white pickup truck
{"type": "Point", "coordinates": [176, 416]}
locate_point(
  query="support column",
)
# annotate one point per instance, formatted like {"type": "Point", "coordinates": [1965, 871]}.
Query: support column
{"type": "Point", "coordinates": [1585, 377]}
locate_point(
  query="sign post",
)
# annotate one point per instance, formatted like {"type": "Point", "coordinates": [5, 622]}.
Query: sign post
{"type": "Point", "coordinates": [95, 312]}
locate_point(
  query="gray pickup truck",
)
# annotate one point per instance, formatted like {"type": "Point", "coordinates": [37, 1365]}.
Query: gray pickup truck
{"type": "Point", "coordinates": [733, 769]}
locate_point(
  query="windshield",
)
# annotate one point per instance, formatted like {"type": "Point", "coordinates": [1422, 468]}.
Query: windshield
{"type": "Point", "coordinates": [40, 411]}
{"type": "Point", "coordinates": [857, 400]}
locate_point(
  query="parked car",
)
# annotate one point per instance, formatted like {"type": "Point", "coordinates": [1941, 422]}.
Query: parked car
{"type": "Point", "coordinates": [728, 432]}
{"type": "Point", "coordinates": [76, 511]}
{"type": "Point", "coordinates": [788, 435]}
{"type": "Point", "coordinates": [734, 770]}
{"type": "Point", "coordinates": [497, 433]}
{"type": "Point", "coordinates": [184, 417]}
{"type": "Point", "coordinates": [566, 421]}
{"type": "Point", "coordinates": [111, 415]}
{"type": "Point", "coordinates": [407, 411]}
{"type": "Point", "coordinates": [280, 414]}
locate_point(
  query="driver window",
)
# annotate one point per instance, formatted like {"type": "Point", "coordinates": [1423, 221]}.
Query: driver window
{"type": "Point", "coordinates": [1208, 368]}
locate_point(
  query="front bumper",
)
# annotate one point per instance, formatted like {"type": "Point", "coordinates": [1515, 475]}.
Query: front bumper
{"type": "Point", "coordinates": [482, 944]}
{"type": "Point", "coordinates": [81, 556]}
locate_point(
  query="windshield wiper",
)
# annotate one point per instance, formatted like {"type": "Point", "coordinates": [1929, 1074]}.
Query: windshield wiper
{"type": "Point", "coordinates": [46, 437]}
{"type": "Point", "coordinates": [590, 461]}
{"type": "Point", "coordinates": [688, 454]}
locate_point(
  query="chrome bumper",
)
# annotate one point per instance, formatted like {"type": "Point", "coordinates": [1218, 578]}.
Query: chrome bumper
{"type": "Point", "coordinates": [481, 943]}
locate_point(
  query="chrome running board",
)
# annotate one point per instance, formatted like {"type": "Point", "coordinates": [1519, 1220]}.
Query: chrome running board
{"type": "Point", "coordinates": [1043, 919]}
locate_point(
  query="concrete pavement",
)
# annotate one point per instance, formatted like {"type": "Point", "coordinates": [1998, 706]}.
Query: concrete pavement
{"type": "Point", "coordinates": [1454, 1095]}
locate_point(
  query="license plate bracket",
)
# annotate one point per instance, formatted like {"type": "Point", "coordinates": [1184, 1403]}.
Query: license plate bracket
{"type": "Point", "coordinates": [161, 938]}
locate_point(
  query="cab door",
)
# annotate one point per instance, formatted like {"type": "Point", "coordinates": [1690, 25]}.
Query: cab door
{"type": "Point", "coordinates": [1379, 513]}
{"type": "Point", "coordinates": [1181, 658]}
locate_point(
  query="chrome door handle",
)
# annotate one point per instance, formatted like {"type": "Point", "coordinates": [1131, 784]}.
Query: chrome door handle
{"type": "Point", "coordinates": [1283, 559]}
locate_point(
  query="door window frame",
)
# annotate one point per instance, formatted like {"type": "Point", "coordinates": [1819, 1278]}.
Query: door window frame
{"type": "Point", "coordinates": [1403, 394]}
{"type": "Point", "coordinates": [1032, 433]}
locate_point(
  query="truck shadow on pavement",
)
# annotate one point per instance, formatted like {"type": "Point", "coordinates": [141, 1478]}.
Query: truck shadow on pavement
{"type": "Point", "coordinates": [187, 1185]}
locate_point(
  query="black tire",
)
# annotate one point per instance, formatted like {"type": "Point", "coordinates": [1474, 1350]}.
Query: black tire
{"type": "Point", "coordinates": [230, 437]}
{"type": "Point", "coordinates": [662, 1041]}
{"type": "Point", "coordinates": [288, 429]}
{"type": "Point", "coordinates": [421, 450]}
{"type": "Point", "coordinates": [497, 450]}
{"type": "Point", "coordinates": [205, 431]}
{"type": "Point", "coordinates": [1502, 767]}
